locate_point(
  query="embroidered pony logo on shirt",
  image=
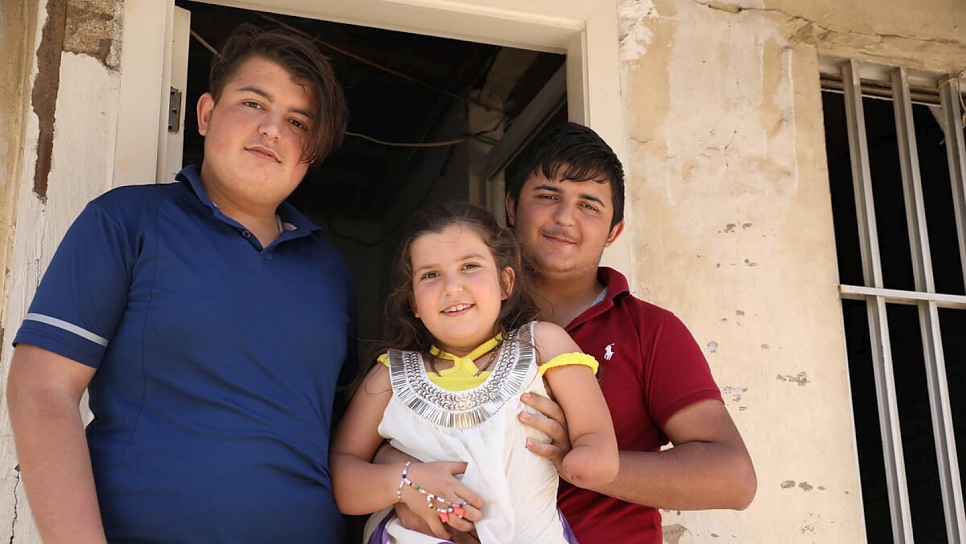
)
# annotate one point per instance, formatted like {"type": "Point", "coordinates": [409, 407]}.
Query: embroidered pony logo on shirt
{"type": "Point", "coordinates": [608, 351]}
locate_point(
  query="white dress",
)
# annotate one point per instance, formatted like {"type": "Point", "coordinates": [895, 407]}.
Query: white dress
{"type": "Point", "coordinates": [478, 426]}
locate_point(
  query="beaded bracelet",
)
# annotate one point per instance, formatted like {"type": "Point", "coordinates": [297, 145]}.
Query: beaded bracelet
{"type": "Point", "coordinates": [402, 481]}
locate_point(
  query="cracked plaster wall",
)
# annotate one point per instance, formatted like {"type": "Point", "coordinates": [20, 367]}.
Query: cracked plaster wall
{"type": "Point", "coordinates": [56, 153]}
{"type": "Point", "coordinates": [732, 229]}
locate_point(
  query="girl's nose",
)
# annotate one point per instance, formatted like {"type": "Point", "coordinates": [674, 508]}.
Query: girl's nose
{"type": "Point", "coordinates": [454, 286]}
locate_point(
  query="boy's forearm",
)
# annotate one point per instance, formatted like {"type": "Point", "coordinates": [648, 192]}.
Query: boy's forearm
{"type": "Point", "coordinates": [692, 476]}
{"type": "Point", "coordinates": [56, 470]}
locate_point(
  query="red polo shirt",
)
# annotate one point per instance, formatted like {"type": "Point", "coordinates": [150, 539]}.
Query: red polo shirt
{"type": "Point", "coordinates": [650, 368]}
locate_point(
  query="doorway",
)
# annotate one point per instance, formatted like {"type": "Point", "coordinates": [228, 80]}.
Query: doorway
{"type": "Point", "coordinates": [424, 114]}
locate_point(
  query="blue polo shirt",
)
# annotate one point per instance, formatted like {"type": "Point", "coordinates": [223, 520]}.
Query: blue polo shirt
{"type": "Point", "coordinates": [217, 363]}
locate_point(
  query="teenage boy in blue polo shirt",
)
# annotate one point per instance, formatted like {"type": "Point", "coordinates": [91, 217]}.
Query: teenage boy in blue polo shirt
{"type": "Point", "coordinates": [209, 320]}
{"type": "Point", "coordinates": [565, 201]}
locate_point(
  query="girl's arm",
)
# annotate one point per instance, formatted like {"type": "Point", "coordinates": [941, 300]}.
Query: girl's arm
{"type": "Point", "coordinates": [593, 460]}
{"type": "Point", "coordinates": [361, 487]}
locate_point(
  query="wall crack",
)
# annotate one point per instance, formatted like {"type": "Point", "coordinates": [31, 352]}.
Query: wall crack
{"type": "Point", "coordinates": [807, 27]}
{"type": "Point", "coordinates": [16, 505]}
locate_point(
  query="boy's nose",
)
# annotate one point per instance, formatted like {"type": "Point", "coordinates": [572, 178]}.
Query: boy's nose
{"type": "Point", "coordinates": [563, 215]}
{"type": "Point", "coordinates": [269, 127]}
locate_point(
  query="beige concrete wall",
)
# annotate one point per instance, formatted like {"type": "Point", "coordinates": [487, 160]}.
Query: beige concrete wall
{"type": "Point", "coordinates": [17, 23]}
{"type": "Point", "coordinates": [56, 153]}
{"type": "Point", "coordinates": [732, 226]}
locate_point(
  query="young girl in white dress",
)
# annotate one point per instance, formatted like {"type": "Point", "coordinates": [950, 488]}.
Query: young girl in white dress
{"type": "Point", "coordinates": [465, 347]}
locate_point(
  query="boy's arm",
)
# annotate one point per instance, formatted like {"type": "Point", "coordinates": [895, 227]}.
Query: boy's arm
{"type": "Point", "coordinates": [44, 390]}
{"type": "Point", "coordinates": [708, 467]}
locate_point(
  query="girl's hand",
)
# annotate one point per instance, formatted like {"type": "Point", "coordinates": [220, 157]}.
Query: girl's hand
{"type": "Point", "coordinates": [438, 479]}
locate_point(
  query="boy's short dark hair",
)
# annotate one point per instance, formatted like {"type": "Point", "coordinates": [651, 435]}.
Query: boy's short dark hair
{"type": "Point", "coordinates": [306, 64]}
{"type": "Point", "coordinates": [583, 155]}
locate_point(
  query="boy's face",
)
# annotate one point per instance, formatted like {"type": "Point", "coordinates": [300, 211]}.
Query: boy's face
{"type": "Point", "coordinates": [255, 135]}
{"type": "Point", "coordinates": [563, 226]}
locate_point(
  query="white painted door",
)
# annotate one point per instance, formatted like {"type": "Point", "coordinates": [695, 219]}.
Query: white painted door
{"type": "Point", "coordinates": [154, 58]}
{"type": "Point", "coordinates": [174, 78]}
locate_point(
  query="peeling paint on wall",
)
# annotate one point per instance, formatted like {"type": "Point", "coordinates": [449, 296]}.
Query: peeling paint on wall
{"type": "Point", "coordinates": [635, 36]}
{"type": "Point", "coordinates": [84, 27]}
{"type": "Point", "coordinates": [801, 378]}
{"type": "Point", "coordinates": [93, 29]}
{"type": "Point", "coordinates": [673, 533]}
{"type": "Point", "coordinates": [46, 84]}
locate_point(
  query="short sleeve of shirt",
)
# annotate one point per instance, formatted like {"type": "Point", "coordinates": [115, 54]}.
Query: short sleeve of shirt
{"type": "Point", "coordinates": [84, 291]}
{"type": "Point", "coordinates": [677, 373]}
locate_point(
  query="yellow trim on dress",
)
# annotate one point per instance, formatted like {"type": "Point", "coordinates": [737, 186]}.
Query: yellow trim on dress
{"type": "Point", "coordinates": [565, 359]}
{"type": "Point", "coordinates": [463, 374]}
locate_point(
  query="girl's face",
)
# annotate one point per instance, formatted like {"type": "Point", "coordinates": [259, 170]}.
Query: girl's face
{"type": "Point", "coordinates": [457, 287]}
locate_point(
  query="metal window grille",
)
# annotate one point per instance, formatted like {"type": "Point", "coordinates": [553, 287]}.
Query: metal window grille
{"type": "Point", "coordinates": [859, 83]}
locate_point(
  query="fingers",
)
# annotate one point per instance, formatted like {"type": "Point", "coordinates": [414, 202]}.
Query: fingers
{"type": "Point", "coordinates": [544, 405]}
{"type": "Point", "coordinates": [553, 429]}
{"type": "Point", "coordinates": [460, 524]}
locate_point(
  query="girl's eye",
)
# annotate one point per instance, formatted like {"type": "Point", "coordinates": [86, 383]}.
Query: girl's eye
{"type": "Point", "coordinates": [470, 266]}
{"type": "Point", "coordinates": [428, 276]}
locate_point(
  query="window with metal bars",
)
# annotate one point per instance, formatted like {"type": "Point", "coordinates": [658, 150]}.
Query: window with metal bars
{"type": "Point", "coordinates": [895, 145]}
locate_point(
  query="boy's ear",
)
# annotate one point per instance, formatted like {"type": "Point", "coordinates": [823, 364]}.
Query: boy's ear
{"type": "Point", "coordinates": [206, 103]}
{"type": "Point", "coordinates": [507, 277]}
{"type": "Point", "coordinates": [511, 210]}
{"type": "Point", "coordinates": [615, 231]}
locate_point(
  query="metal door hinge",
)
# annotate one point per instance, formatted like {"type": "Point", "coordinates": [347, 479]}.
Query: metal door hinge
{"type": "Point", "coordinates": [174, 111]}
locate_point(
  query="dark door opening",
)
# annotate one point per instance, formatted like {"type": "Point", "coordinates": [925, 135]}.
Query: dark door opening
{"type": "Point", "coordinates": [404, 91]}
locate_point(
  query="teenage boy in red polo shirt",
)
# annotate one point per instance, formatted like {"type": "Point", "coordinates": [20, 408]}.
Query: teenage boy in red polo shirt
{"type": "Point", "coordinates": [565, 201]}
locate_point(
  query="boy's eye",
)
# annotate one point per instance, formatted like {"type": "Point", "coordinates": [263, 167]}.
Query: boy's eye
{"type": "Point", "coordinates": [590, 207]}
{"type": "Point", "coordinates": [251, 104]}
{"type": "Point", "coordinates": [299, 125]}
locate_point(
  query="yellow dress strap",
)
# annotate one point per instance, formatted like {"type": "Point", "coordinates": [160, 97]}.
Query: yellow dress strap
{"type": "Point", "coordinates": [565, 359]}
{"type": "Point", "coordinates": [457, 378]}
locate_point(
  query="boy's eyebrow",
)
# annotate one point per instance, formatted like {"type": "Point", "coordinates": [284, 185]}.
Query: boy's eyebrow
{"type": "Point", "coordinates": [549, 187]}
{"type": "Point", "coordinates": [268, 96]}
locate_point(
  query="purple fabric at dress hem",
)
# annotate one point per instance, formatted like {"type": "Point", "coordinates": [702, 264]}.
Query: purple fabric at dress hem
{"type": "Point", "coordinates": [381, 536]}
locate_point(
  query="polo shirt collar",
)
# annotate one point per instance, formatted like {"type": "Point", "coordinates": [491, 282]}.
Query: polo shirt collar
{"type": "Point", "coordinates": [191, 176]}
{"type": "Point", "coordinates": [616, 285]}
